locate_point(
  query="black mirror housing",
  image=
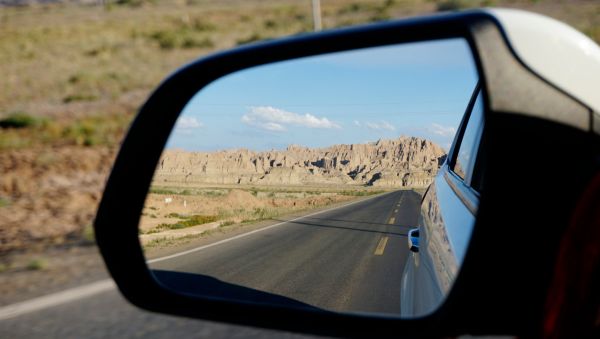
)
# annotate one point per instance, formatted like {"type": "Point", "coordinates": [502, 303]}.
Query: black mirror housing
{"type": "Point", "coordinates": [485, 293]}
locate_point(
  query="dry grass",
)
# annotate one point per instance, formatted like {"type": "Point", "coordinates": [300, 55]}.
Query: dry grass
{"type": "Point", "coordinates": [233, 206]}
{"type": "Point", "coordinates": [187, 207]}
{"type": "Point", "coordinates": [184, 222]}
{"type": "Point", "coordinates": [74, 75]}
{"type": "Point", "coordinates": [66, 53]}
{"type": "Point", "coordinates": [91, 130]}
{"type": "Point", "coordinates": [60, 55]}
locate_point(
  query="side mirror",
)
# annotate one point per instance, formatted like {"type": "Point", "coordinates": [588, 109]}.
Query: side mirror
{"type": "Point", "coordinates": [533, 112]}
{"type": "Point", "coordinates": [413, 240]}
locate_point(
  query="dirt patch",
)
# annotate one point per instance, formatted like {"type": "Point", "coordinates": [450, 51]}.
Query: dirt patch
{"type": "Point", "coordinates": [49, 196]}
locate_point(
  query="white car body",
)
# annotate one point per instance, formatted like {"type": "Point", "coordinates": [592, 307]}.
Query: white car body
{"type": "Point", "coordinates": [560, 55]}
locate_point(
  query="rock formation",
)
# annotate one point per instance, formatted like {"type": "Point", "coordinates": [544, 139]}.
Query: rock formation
{"type": "Point", "coordinates": [403, 162]}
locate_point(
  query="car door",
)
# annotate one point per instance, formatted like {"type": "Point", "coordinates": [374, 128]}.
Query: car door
{"type": "Point", "coordinates": [446, 220]}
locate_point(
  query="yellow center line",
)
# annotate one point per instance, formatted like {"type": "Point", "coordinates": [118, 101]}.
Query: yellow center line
{"type": "Point", "coordinates": [392, 219]}
{"type": "Point", "coordinates": [381, 246]}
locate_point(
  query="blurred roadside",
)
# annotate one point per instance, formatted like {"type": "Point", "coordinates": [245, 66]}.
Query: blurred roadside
{"type": "Point", "coordinates": [74, 73]}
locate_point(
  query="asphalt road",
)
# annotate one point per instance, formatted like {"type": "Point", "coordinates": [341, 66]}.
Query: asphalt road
{"type": "Point", "coordinates": [347, 259]}
{"type": "Point", "coordinates": [108, 315]}
{"type": "Point", "coordinates": [336, 260]}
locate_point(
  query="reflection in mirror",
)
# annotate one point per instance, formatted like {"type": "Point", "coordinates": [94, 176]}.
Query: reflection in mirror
{"type": "Point", "coordinates": [296, 183]}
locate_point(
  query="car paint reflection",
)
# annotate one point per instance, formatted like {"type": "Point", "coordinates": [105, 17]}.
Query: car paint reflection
{"type": "Point", "coordinates": [444, 236]}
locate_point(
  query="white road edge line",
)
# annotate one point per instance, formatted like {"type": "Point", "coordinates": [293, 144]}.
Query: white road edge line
{"type": "Point", "coordinates": [55, 299]}
{"type": "Point", "coordinates": [72, 294]}
{"type": "Point", "coordinates": [256, 231]}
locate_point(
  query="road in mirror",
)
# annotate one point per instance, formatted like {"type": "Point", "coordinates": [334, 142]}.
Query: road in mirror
{"type": "Point", "coordinates": [296, 183]}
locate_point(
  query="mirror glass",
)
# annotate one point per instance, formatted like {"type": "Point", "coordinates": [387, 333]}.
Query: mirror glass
{"type": "Point", "coordinates": [296, 183]}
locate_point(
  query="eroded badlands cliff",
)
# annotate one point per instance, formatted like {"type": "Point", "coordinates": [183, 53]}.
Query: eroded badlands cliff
{"type": "Point", "coordinates": [403, 162]}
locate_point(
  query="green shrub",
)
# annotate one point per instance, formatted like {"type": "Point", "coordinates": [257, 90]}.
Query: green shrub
{"type": "Point", "coordinates": [36, 264]}
{"type": "Point", "coordinates": [380, 16]}
{"type": "Point", "coordinates": [227, 223]}
{"type": "Point", "coordinates": [252, 38]}
{"type": "Point", "coordinates": [4, 267]}
{"type": "Point", "coordinates": [263, 213]}
{"type": "Point", "coordinates": [88, 234]}
{"type": "Point", "coordinates": [270, 24]}
{"type": "Point", "coordinates": [155, 190]}
{"type": "Point", "coordinates": [199, 220]}
{"type": "Point", "coordinates": [451, 5]}
{"type": "Point", "coordinates": [214, 194]}
{"type": "Point", "coordinates": [203, 26]}
{"type": "Point", "coordinates": [389, 4]}
{"type": "Point", "coordinates": [353, 8]}
{"type": "Point", "coordinates": [360, 193]}
{"type": "Point", "coordinates": [99, 129]}
{"type": "Point", "coordinates": [166, 39]}
{"type": "Point", "coordinates": [183, 37]}
{"type": "Point", "coordinates": [164, 241]}
{"type": "Point", "coordinates": [187, 221]}
{"type": "Point", "coordinates": [82, 133]}
{"type": "Point", "coordinates": [134, 3]}
{"type": "Point", "coordinates": [79, 97]}
{"type": "Point", "coordinates": [300, 17]}
{"type": "Point", "coordinates": [4, 202]}
{"type": "Point", "coordinates": [192, 42]}
{"type": "Point", "coordinates": [20, 120]}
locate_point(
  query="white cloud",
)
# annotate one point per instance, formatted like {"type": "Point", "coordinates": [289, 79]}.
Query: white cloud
{"type": "Point", "coordinates": [357, 123]}
{"type": "Point", "coordinates": [445, 131]}
{"type": "Point", "coordinates": [273, 126]}
{"type": "Point", "coordinates": [187, 123]}
{"type": "Point", "coordinates": [275, 119]}
{"type": "Point", "coordinates": [383, 125]}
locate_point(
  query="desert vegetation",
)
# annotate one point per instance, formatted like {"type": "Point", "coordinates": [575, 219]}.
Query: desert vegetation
{"type": "Point", "coordinates": [74, 74]}
{"type": "Point", "coordinates": [177, 214]}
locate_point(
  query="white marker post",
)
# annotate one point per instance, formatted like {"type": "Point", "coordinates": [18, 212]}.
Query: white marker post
{"type": "Point", "coordinates": [316, 9]}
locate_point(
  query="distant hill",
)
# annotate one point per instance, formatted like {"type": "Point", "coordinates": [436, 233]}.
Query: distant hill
{"type": "Point", "coordinates": [404, 162]}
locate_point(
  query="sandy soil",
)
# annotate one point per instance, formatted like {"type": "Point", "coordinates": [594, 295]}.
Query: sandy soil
{"type": "Point", "coordinates": [49, 196]}
{"type": "Point", "coordinates": [235, 205]}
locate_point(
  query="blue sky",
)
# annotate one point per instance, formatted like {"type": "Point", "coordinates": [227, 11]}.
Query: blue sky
{"type": "Point", "coordinates": [417, 89]}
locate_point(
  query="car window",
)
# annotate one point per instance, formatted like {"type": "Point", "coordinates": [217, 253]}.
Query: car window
{"type": "Point", "coordinates": [467, 152]}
